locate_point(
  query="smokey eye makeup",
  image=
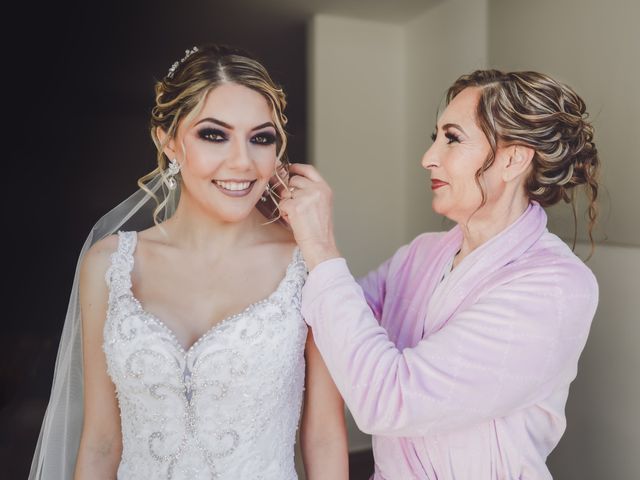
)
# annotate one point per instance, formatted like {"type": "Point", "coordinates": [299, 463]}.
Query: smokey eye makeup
{"type": "Point", "coordinates": [214, 135]}
{"type": "Point", "coordinates": [263, 138]}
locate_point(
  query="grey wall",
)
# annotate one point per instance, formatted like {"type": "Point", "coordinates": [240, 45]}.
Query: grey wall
{"type": "Point", "coordinates": [357, 122]}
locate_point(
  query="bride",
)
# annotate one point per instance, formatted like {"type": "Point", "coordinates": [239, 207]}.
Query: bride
{"type": "Point", "coordinates": [192, 356]}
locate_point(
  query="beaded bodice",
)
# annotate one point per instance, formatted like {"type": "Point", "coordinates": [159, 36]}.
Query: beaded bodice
{"type": "Point", "coordinates": [226, 408]}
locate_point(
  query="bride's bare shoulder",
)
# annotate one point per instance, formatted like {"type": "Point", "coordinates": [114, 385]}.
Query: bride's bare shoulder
{"type": "Point", "coordinates": [96, 260]}
{"type": "Point", "coordinates": [92, 289]}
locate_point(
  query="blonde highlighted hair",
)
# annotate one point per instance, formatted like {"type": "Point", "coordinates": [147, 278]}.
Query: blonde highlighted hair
{"type": "Point", "coordinates": [181, 94]}
{"type": "Point", "coordinates": [534, 110]}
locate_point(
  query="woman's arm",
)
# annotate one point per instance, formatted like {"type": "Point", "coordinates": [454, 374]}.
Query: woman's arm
{"type": "Point", "coordinates": [511, 348]}
{"type": "Point", "coordinates": [101, 441]}
{"type": "Point", "coordinates": [323, 433]}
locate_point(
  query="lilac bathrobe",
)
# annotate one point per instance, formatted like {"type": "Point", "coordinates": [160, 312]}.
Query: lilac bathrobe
{"type": "Point", "coordinates": [464, 378]}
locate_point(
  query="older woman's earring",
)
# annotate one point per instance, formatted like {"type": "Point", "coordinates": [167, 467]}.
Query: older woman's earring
{"type": "Point", "coordinates": [266, 194]}
{"type": "Point", "coordinates": [172, 170]}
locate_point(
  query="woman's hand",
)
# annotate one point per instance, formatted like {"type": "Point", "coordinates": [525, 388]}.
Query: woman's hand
{"type": "Point", "coordinates": [307, 206]}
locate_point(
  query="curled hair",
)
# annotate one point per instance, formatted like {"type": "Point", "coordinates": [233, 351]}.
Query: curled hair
{"type": "Point", "coordinates": [181, 94]}
{"type": "Point", "coordinates": [534, 110]}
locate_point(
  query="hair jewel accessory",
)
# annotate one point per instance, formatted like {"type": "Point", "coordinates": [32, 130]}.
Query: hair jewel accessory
{"type": "Point", "coordinates": [174, 67]}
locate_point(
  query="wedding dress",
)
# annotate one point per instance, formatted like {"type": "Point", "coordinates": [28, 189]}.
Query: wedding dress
{"type": "Point", "coordinates": [225, 408]}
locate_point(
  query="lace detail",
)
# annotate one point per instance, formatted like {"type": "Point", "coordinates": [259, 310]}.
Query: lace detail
{"type": "Point", "coordinates": [228, 406]}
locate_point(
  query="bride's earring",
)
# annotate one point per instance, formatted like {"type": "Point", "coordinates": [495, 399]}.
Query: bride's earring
{"type": "Point", "coordinates": [172, 170]}
{"type": "Point", "coordinates": [266, 194]}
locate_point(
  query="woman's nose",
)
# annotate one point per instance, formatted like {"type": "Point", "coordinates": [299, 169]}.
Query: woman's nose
{"type": "Point", "coordinates": [240, 157]}
{"type": "Point", "coordinates": [430, 158]}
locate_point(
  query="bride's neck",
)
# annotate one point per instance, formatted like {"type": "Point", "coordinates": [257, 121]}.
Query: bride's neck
{"type": "Point", "coordinates": [193, 229]}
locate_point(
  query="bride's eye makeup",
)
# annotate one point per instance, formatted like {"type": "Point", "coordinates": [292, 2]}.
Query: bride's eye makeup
{"type": "Point", "coordinates": [263, 138]}
{"type": "Point", "coordinates": [212, 135]}
{"type": "Point", "coordinates": [216, 135]}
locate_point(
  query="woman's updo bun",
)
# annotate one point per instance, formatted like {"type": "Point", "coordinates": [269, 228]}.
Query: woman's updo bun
{"type": "Point", "coordinates": [534, 110]}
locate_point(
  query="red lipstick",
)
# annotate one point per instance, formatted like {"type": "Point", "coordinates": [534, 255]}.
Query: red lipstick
{"type": "Point", "coordinates": [435, 183]}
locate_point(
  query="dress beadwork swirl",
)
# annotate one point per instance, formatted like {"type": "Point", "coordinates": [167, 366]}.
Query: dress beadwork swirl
{"type": "Point", "coordinates": [226, 408]}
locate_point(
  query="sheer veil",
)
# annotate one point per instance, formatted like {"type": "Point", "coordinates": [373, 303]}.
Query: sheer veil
{"type": "Point", "coordinates": [57, 447]}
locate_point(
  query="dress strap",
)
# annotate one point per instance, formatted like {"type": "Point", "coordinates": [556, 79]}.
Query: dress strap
{"type": "Point", "coordinates": [118, 275]}
{"type": "Point", "coordinates": [297, 256]}
{"type": "Point", "coordinates": [289, 291]}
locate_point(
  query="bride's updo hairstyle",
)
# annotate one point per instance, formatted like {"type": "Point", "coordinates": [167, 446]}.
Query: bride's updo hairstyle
{"type": "Point", "coordinates": [181, 94]}
{"type": "Point", "coordinates": [536, 111]}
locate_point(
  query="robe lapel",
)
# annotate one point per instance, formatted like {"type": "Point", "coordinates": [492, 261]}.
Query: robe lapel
{"type": "Point", "coordinates": [466, 280]}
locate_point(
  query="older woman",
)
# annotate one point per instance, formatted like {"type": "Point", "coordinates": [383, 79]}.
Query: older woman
{"type": "Point", "coordinates": [457, 353]}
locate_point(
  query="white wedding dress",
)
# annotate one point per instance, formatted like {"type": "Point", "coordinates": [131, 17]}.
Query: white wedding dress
{"type": "Point", "coordinates": [226, 408]}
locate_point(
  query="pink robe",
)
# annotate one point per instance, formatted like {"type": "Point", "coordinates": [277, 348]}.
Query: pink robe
{"type": "Point", "coordinates": [465, 378]}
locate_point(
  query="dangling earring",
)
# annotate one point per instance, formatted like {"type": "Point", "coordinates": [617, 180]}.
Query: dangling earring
{"type": "Point", "coordinates": [172, 170]}
{"type": "Point", "coordinates": [266, 194]}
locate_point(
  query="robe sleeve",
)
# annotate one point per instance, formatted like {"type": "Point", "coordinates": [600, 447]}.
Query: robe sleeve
{"type": "Point", "coordinates": [374, 284]}
{"type": "Point", "coordinates": [512, 347]}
